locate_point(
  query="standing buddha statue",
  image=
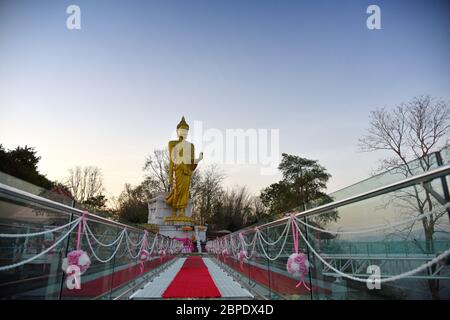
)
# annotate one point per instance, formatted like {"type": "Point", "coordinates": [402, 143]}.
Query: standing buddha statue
{"type": "Point", "coordinates": [181, 167]}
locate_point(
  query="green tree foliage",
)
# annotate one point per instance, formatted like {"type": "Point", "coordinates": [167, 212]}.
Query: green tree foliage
{"type": "Point", "coordinates": [96, 202]}
{"type": "Point", "coordinates": [22, 163]}
{"type": "Point", "coordinates": [234, 211]}
{"type": "Point", "coordinates": [206, 192]}
{"type": "Point", "coordinates": [132, 204]}
{"type": "Point", "coordinates": [303, 183]}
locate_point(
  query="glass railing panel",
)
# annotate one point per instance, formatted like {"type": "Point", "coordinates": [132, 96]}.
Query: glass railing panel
{"type": "Point", "coordinates": [397, 174]}
{"type": "Point", "coordinates": [20, 184]}
{"type": "Point", "coordinates": [125, 266]}
{"type": "Point", "coordinates": [128, 269]}
{"type": "Point", "coordinates": [283, 284]}
{"type": "Point", "coordinates": [57, 194]}
{"type": "Point", "coordinates": [255, 268]}
{"type": "Point", "coordinates": [445, 155]}
{"type": "Point", "coordinates": [257, 264]}
{"type": "Point", "coordinates": [96, 280]}
{"type": "Point", "coordinates": [114, 268]}
{"type": "Point", "coordinates": [40, 278]}
{"type": "Point", "coordinates": [393, 250]}
{"type": "Point", "coordinates": [393, 236]}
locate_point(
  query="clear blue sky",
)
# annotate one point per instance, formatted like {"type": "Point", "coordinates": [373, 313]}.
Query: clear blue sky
{"type": "Point", "coordinates": [110, 93]}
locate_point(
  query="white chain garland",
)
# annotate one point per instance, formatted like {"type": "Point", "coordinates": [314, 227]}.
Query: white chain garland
{"type": "Point", "coordinates": [153, 245]}
{"type": "Point", "coordinates": [250, 243]}
{"type": "Point", "coordinates": [88, 235]}
{"type": "Point", "coordinates": [445, 254]}
{"type": "Point", "coordinates": [128, 247]}
{"type": "Point", "coordinates": [134, 244]}
{"type": "Point", "coordinates": [393, 278]}
{"type": "Point", "coordinates": [281, 236]}
{"type": "Point", "coordinates": [282, 247]}
{"type": "Point", "coordinates": [33, 234]}
{"type": "Point", "coordinates": [377, 227]}
{"type": "Point", "coordinates": [11, 266]}
{"type": "Point", "coordinates": [95, 254]}
{"type": "Point", "coordinates": [98, 241]}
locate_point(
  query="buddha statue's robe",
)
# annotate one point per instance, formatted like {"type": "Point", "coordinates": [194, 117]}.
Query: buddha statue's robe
{"type": "Point", "coordinates": [181, 167]}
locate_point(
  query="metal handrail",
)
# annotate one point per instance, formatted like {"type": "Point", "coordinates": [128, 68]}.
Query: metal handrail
{"type": "Point", "coordinates": [26, 196]}
{"type": "Point", "coordinates": [408, 182]}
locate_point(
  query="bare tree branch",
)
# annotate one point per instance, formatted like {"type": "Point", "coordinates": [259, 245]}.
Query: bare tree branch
{"type": "Point", "coordinates": [85, 182]}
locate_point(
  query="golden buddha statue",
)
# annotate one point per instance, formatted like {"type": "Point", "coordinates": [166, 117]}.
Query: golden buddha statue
{"type": "Point", "coordinates": [181, 166]}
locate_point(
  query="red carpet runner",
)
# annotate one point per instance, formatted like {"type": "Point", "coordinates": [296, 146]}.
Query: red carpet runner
{"type": "Point", "coordinates": [192, 281]}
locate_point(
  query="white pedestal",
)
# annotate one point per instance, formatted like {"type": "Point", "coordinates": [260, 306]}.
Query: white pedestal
{"type": "Point", "coordinates": [158, 209]}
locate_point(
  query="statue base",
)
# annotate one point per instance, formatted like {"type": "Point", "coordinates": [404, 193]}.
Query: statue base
{"type": "Point", "coordinates": [179, 220]}
{"type": "Point", "coordinates": [160, 213]}
{"type": "Point", "coordinates": [161, 216]}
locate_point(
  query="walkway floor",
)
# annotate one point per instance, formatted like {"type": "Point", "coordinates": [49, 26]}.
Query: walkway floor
{"type": "Point", "coordinates": [156, 287]}
{"type": "Point", "coordinates": [224, 283]}
{"type": "Point", "coordinates": [192, 281]}
{"type": "Point", "coordinates": [227, 286]}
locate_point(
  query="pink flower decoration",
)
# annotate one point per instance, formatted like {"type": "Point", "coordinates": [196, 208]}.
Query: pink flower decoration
{"type": "Point", "coordinates": [298, 265]}
{"type": "Point", "coordinates": [77, 258]}
{"type": "Point", "coordinates": [144, 255]}
{"type": "Point", "coordinates": [242, 255]}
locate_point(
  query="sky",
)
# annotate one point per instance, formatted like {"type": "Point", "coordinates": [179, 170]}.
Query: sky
{"type": "Point", "coordinates": [110, 93]}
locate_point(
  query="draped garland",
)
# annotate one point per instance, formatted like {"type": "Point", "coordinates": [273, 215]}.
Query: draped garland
{"type": "Point", "coordinates": [238, 248]}
{"type": "Point", "coordinates": [143, 244]}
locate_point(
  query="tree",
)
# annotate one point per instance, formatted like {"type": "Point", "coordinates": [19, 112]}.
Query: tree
{"type": "Point", "coordinates": [206, 192]}
{"type": "Point", "coordinates": [260, 212]}
{"type": "Point", "coordinates": [22, 163]}
{"type": "Point", "coordinates": [132, 204]}
{"type": "Point", "coordinates": [304, 182]}
{"type": "Point", "coordinates": [59, 193]}
{"type": "Point", "coordinates": [86, 186]}
{"type": "Point", "coordinates": [96, 202]}
{"type": "Point", "coordinates": [211, 204]}
{"type": "Point", "coordinates": [279, 198]}
{"type": "Point", "coordinates": [156, 170]}
{"type": "Point", "coordinates": [234, 210]}
{"type": "Point", "coordinates": [411, 133]}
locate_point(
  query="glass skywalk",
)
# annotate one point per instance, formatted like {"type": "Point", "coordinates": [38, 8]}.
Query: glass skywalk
{"type": "Point", "coordinates": [380, 235]}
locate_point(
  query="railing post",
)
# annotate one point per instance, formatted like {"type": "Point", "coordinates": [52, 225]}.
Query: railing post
{"type": "Point", "coordinates": [66, 251]}
{"type": "Point", "coordinates": [113, 268]}
{"type": "Point", "coordinates": [440, 163]}
{"type": "Point", "coordinates": [268, 267]}
{"type": "Point", "coordinates": [309, 258]}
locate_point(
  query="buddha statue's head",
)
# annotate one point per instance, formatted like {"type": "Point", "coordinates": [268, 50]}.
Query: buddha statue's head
{"type": "Point", "coordinates": [182, 129]}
